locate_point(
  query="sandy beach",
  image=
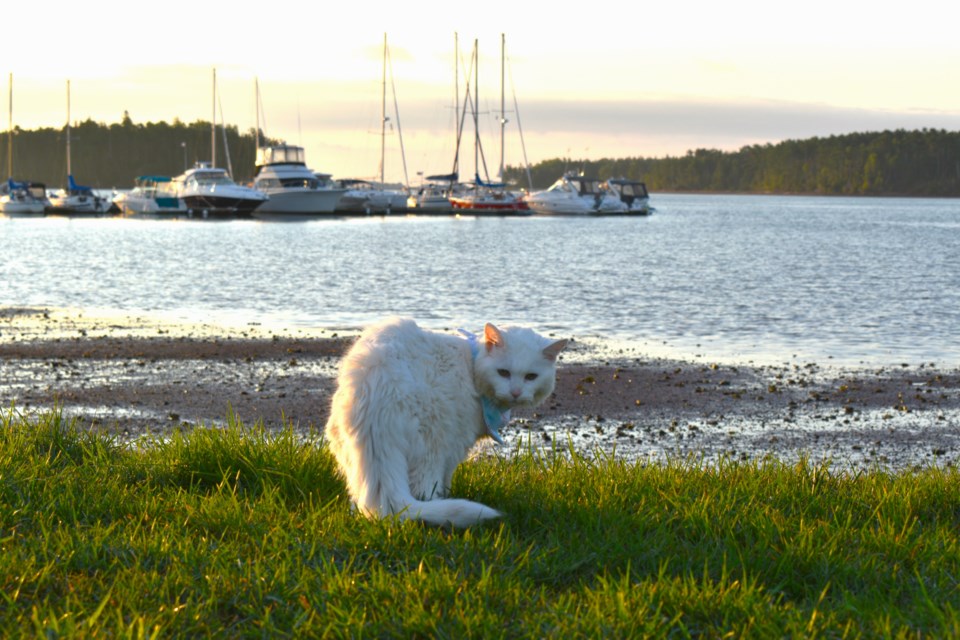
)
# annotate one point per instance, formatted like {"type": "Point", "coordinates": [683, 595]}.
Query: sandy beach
{"type": "Point", "coordinates": [140, 376]}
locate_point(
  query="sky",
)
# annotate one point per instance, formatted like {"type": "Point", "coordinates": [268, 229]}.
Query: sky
{"type": "Point", "coordinates": [618, 79]}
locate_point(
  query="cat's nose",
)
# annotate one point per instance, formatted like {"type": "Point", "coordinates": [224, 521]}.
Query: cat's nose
{"type": "Point", "coordinates": [515, 393]}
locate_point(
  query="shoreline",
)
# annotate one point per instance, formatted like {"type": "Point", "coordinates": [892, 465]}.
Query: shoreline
{"type": "Point", "coordinates": [140, 376]}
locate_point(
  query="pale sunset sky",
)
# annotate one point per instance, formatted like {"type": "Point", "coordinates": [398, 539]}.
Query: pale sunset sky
{"type": "Point", "coordinates": [591, 80]}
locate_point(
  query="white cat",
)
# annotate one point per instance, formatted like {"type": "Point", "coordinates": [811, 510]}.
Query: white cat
{"type": "Point", "coordinates": [410, 404]}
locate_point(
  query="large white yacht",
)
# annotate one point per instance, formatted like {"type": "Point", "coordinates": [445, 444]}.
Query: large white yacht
{"type": "Point", "coordinates": [294, 190]}
{"type": "Point", "coordinates": [209, 192]}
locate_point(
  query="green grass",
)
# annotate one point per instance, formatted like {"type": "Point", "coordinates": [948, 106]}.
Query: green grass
{"type": "Point", "coordinates": [241, 533]}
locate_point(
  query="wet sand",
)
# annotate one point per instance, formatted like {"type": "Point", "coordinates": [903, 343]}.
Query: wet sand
{"type": "Point", "coordinates": [142, 376]}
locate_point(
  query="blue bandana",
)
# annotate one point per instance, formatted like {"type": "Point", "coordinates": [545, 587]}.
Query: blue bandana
{"type": "Point", "coordinates": [493, 417]}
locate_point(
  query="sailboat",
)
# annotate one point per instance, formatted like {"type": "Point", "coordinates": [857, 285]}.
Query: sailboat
{"type": "Point", "coordinates": [76, 199]}
{"type": "Point", "coordinates": [366, 196]}
{"type": "Point", "coordinates": [433, 195]}
{"type": "Point", "coordinates": [20, 198]}
{"type": "Point", "coordinates": [483, 197]}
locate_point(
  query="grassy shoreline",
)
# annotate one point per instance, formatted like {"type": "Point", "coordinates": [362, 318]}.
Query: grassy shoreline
{"type": "Point", "coordinates": [237, 532]}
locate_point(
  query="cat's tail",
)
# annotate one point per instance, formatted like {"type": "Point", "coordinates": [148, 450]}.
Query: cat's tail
{"type": "Point", "coordinates": [448, 511]}
{"type": "Point", "coordinates": [457, 512]}
{"type": "Point", "coordinates": [385, 495]}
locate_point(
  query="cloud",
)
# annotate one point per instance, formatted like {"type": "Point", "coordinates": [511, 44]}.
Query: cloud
{"type": "Point", "coordinates": [761, 120]}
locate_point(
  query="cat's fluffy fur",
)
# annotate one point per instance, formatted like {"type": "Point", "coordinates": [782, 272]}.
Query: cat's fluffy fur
{"type": "Point", "coordinates": [407, 410]}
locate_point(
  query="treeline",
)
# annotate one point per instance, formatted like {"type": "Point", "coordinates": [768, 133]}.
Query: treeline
{"type": "Point", "coordinates": [107, 156]}
{"type": "Point", "coordinates": [907, 163]}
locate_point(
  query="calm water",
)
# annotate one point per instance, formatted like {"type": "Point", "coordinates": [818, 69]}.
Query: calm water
{"type": "Point", "coordinates": [724, 277]}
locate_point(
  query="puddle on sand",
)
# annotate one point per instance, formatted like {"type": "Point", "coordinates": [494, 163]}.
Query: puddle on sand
{"type": "Point", "coordinates": [871, 439]}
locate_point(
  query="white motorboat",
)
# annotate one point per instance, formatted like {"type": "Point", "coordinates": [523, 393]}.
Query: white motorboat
{"type": "Point", "coordinates": [574, 195]}
{"type": "Point", "coordinates": [209, 192]}
{"type": "Point", "coordinates": [433, 196]}
{"type": "Point", "coordinates": [78, 199]}
{"type": "Point", "coordinates": [633, 194]}
{"type": "Point", "coordinates": [23, 199]}
{"type": "Point", "coordinates": [293, 190]}
{"type": "Point", "coordinates": [366, 197]}
{"type": "Point", "coordinates": [151, 197]}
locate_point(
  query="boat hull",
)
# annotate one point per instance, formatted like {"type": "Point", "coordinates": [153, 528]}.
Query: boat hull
{"type": "Point", "coordinates": [490, 206]}
{"type": "Point", "coordinates": [134, 207]}
{"type": "Point", "coordinates": [433, 206]}
{"type": "Point", "coordinates": [22, 208]}
{"type": "Point", "coordinates": [365, 202]}
{"type": "Point", "coordinates": [82, 204]}
{"type": "Point", "coordinates": [574, 207]}
{"type": "Point", "coordinates": [214, 206]}
{"type": "Point", "coordinates": [299, 202]}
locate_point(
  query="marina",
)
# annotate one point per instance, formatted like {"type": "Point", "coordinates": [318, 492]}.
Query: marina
{"type": "Point", "coordinates": [284, 187]}
{"type": "Point", "coordinates": [285, 191]}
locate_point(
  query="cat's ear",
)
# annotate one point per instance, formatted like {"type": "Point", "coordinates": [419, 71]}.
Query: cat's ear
{"type": "Point", "coordinates": [551, 352]}
{"type": "Point", "coordinates": [492, 336]}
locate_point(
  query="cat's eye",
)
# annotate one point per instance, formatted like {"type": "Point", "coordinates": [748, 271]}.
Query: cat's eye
{"type": "Point", "coordinates": [504, 373]}
{"type": "Point", "coordinates": [530, 377]}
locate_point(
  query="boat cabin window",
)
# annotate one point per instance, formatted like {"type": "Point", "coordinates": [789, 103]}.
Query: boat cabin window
{"type": "Point", "coordinates": [634, 189]}
{"type": "Point", "coordinates": [587, 187]}
{"type": "Point", "coordinates": [210, 178]}
{"type": "Point", "coordinates": [287, 183]}
{"type": "Point", "coordinates": [281, 155]}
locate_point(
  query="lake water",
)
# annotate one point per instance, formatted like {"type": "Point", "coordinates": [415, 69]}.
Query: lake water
{"type": "Point", "coordinates": [728, 278]}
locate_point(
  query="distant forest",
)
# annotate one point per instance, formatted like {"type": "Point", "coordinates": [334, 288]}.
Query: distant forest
{"type": "Point", "coordinates": [903, 163]}
{"type": "Point", "coordinates": [107, 156]}
{"type": "Point", "coordinates": [906, 163]}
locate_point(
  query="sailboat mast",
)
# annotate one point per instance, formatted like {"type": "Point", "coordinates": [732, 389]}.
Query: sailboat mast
{"type": "Point", "coordinates": [69, 170]}
{"type": "Point", "coordinates": [456, 97]}
{"type": "Point", "coordinates": [476, 110]}
{"type": "Point", "coordinates": [503, 112]}
{"type": "Point", "coordinates": [256, 106]}
{"type": "Point", "coordinates": [383, 114]}
{"type": "Point", "coordinates": [10, 131]}
{"type": "Point", "coordinates": [213, 123]}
